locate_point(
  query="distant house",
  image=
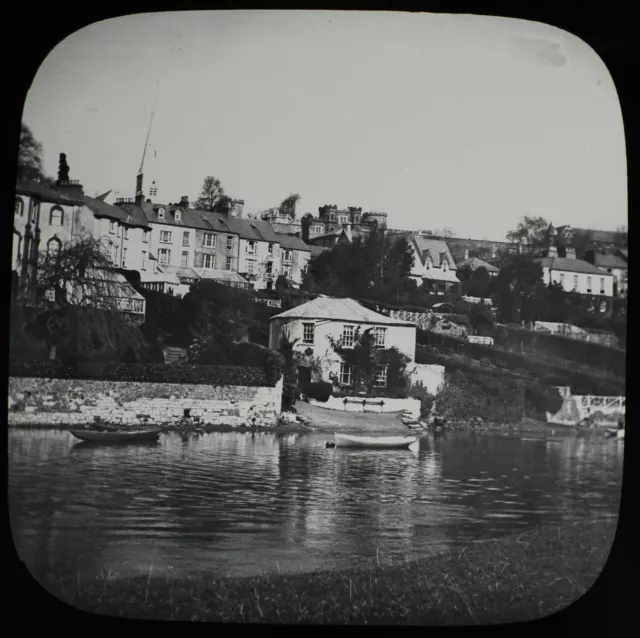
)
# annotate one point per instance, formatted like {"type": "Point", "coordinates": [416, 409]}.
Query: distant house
{"type": "Point", "coordinates": [433, 265]}
{"type": "Point", "coordinates": [614, 262]}
{"type": "Point", "coordinates": [316, 322]}
{"type": "Point", "coordinates": [469, 266]}
{"type": "Point", "coordinates": [294, 258]}
{"type": "Point", "coordinates": [331, 239]}
{"type": "Point", "coordinates": [577, 275]}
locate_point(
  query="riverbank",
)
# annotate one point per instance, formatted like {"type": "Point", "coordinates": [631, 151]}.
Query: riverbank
{"type": "Point", "coordinates": [512, 579]}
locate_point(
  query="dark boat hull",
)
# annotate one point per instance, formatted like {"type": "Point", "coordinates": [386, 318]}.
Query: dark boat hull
{"type": "Point", "coordinates": [93, 436]}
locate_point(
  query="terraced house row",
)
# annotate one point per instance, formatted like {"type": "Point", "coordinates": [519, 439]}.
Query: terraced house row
{"type": "Point", "coordinates": [171, 245]}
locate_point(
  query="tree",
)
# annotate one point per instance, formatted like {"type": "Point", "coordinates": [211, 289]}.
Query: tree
{"type": "Point", "coordinates": [30, 156]}
{"type": "Point", "coordinates": [478, 283]}
{"type": "Point", "coordinates": [445, 232]}
{"type": "Point", "coordinates": [398, 263]}
{"type": "Point", "coordinates": [211, 194]}
{"type": "Point", "coordinates": [582, 241]}
{"type": "Point", "coordinates": [288, 205]}
{"type": "Point", "coordinates": [532, 232]}
{"type": "Point", "coordinates": [516, 288]}
{"type": "Point", "coordinates": [86, 315]}
{"type": "Point", "coordinates": [621, 238]}
{"type": "Point", "coordinates": [305, 225]}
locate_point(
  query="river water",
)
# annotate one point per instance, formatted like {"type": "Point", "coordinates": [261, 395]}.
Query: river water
{"type": "Point", "coordinates": [235, 504]}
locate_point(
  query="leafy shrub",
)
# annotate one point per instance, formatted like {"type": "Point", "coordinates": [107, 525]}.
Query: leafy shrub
{"type": "Point", "coordinates": [320, 391]}
{"type": "Point", "coordinates": [418, 391]}
{"type": "Point", "coordinates": [39, 368]}
{"type": "Point", "coordinates": [540, 399]}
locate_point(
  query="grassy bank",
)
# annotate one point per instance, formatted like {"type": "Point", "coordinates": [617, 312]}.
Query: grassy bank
{"type": "Point", "coordinates": [513, 579]}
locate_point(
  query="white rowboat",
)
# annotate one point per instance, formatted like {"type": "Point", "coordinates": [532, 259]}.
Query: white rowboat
{"type": "Point", "coordinates": [376, 442]}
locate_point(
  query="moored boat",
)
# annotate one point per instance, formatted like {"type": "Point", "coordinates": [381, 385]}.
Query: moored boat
{"type": "Point", "coordinates": [375, 442]}
{"type": "Point", "coordinates": [95, 436]}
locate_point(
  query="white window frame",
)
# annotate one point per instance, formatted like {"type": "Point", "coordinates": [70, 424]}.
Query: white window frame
{"type": "Point", "coordinates": [160, 211]}
{"type": "Point", "coordinates": [185, 238]}
{"type": "Point", "coordinates": [228, 263]}
{"type": "Point", "coordinates": [19, 209]}
{"type": "Point", "coordinates": [602, 288]}
{"type": "Point", "coordinates": [346, 374]}
{"type": "Point", "coordinates": [124, 257]}
{"type": "Point", "coordinates": [126, 232]}
{"type": "Point", "coordinates": [145, 236]}
{"type": "Point", "coordinates": [308, 333]}
{"type": "Point", "coordinates": [33, 215]}
{"type": "Point", "coordinates": [164, 252]}
{"type": "Point", "coordinates": [287, 256]}
{"type": "Point", "coordinates": [575, 282]}
{"type": "Point", "coordinates": [209, 262]}
{"type": "Point", "coordinates": [56, 209]}
{"type": "Point", "coordinates": [184, 258]}
{"type": "Point", "coordinates": [177, 214]}
{"type": "Point", "coordinates": [562, 279]}
{"type": "Point", "coordinates": [380, 380]}
{"type": "Point", "coordinates": [209, 240]}
{"type": "Point", "coordinates": [348, 335]}
{"type": "Point", "coordinates": [112, 227]}
{"type": "Point", "coordinates": [250, 266]}
{"type": "Point", "coordinates": [143, 263]}
{"type": "Point", "coordinates": [165, 236]}
{"type": "Point", "coordinates": [269, 268]}
{"type": "Point", "coordinates": [250, 248]}
{"type": "Point", "coordinates": [269, 249]}
{"type": "Point", "coordinates": [229, 242]}
{"type": "Point", "coordinates": [378, 340]}
{"type": "Point", "coordinates": [589, 284]}
{"type": "Point", "coordinates": [286, 270]}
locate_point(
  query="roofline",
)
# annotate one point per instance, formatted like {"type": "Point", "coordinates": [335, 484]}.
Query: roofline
{"type": "Point", "coordinates": [402, 324]}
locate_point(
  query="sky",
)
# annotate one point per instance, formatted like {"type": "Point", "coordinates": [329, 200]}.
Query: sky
{"type": "Point", "coordinates": [439, 120]}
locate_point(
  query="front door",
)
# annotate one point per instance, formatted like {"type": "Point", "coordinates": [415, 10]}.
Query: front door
{"type": "Point", "coordinates": [304, 376]}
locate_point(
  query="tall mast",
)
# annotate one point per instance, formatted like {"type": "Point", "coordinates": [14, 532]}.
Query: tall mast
{"type": "Point", "coordinates": [146, 143]}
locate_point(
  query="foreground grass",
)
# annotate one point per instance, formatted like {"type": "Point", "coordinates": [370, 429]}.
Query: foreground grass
{"type": "Point", "coordinates": [514, 579]}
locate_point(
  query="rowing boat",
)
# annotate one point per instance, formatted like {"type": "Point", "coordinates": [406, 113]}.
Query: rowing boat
{"type": "Point", "coordinates": [375, 442]}
{"type": "Point", "coordinates": [94, 436]}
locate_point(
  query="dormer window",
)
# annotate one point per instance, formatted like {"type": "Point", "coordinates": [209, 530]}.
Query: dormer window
{"type": "Point", "coordinates": [160, 213]}
{"type": "Point", "coordinates": [178, 215]}
{"type": "Point", "coordinates": [445, 266]}
{"type": "Point", "coordinates": [19, 210]}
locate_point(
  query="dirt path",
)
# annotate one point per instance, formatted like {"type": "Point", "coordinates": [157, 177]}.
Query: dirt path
{"type": "Point", "coordinates": [326, 420]}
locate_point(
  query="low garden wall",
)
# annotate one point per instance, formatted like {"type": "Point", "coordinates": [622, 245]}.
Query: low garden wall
{"type": "Point", "coordinates": [371, 404]}
{"type": "Point", "coordinates": [75, 402]}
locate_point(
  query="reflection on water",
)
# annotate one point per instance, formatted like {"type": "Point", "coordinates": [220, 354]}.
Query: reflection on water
{"type": "Point", "coordinates": [239, 504]}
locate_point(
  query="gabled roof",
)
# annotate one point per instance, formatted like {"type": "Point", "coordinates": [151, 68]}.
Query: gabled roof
{"type": "Point", "coordinates": [336, 309]}
{"type": "Point", "coordinates": [473, 263]}
{"type": "Point", "coordinates": [101, 209]}
{"type": "Point", "coordinates": [600, 236]}
{"type": "Point", "coordinates": [104, 196]}
{"type": "Point", "coordinates": [570, 265]}
{"type": "Point", "coordinates": [292, 242]}
{"type": "Point", "coordinates": [45, 193]}
{"type": "Point", "coordinates": [253, 229]}
{"type": "Point", "coordinates": [436, 249]}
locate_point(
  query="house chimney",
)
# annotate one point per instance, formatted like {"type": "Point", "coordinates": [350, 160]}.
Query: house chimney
{"type": "Point", "coordinates": [139, 194]}
{"type": "Point", "coordinates": [71, 187]}
{"type": "Point", "coordinates": [553, 251]}
{"type": "Point", "coordinates": [237, 207]}
{"type": "Point", "coordinates": [184, 202]}
{"type": "Point", "coordinates": [571, 252]}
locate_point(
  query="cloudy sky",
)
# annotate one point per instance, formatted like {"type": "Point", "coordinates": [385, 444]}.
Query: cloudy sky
{"type": "Point", "coordinates": [464, 122]}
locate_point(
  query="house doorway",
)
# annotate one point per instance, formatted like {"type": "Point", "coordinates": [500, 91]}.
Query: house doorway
{"type": "Point", "coordinates": [304, 376]}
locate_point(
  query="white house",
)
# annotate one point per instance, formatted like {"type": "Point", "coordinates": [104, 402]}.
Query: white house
{"type": "Point", "coordinates": [315, 323]}
{"type": "Point", "coordinates": [614, 262]}
{"type": "Point", "coordinates": [576, 275]}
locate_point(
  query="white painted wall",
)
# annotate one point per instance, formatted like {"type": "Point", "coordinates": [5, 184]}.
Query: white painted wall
{"type": "Point", "coordinates": [580, 281]}
{"type": "Point", "coordinates": [175, 244]}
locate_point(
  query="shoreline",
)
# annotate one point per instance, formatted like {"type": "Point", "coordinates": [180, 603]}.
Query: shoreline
{"type": "Point", "coordinates": [510, 579]}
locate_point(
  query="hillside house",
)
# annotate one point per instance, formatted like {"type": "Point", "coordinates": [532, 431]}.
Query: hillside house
{"type": "Point", "coordinates": [614, 262]}
{"type": "Point", "coordinates": [312, 326]}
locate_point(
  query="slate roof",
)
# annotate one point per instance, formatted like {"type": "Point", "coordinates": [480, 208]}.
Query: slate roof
{"type": "Point", "coordinates": [600, 236]}
{"type": "Point", "coordinates": [570, 265]}
{"type": "Point", "coordinates": [610, 260]}
{"type": "Point", "coordinates": [292, 242]}
{"type": "Point", "coordinates": [473, 263]}
{"type": "Point", "coordinates": [317, 250]}
{"type": "Point", "coordinates": [45, 193]}
{"type": "Point", "coordinates": [100, 208]}
{"type": "Point", "coordinates": [335, 309]}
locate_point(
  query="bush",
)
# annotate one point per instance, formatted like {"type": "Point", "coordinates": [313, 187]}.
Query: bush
{"type": "Point", "coordinates": [541, 399]}
{"type": "Point", "coordinates": [39, 368]}
{"type": "Point", "coordinates": [418, 391]}
{"type": "Point", "coordinates": [320, 391]}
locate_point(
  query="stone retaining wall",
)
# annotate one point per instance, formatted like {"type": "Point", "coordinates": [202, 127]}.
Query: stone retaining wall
{"type": "Point", "coordinates": [78, 402]}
